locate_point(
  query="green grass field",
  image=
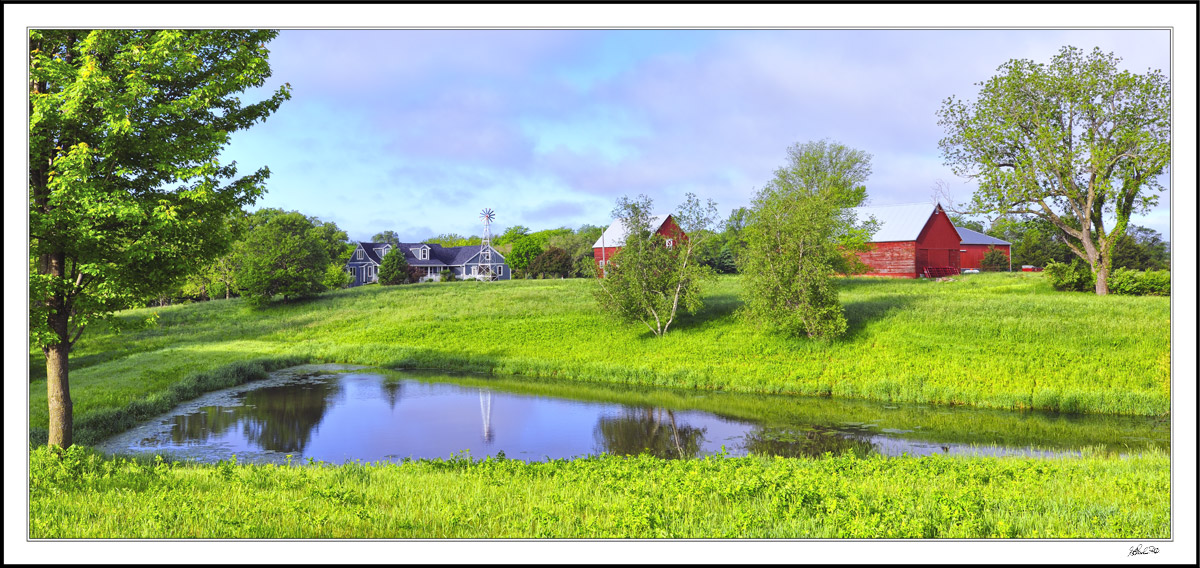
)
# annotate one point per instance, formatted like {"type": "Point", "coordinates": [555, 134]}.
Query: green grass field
{"type": "Point", "coordinates": [1003, 341]}
{"type": "Point", "coordinates": [85, 496]}
{"type": "Point", "coordinates": [990, 340]}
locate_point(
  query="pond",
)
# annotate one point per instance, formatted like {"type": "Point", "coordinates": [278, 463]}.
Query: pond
{"type": "Point", "coordinates": [335, 414]}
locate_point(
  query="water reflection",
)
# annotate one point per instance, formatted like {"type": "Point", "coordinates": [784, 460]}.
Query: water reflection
{"type": "Point", "coordinates": [813, 441]}
{"type": "Point", "coordinates": [381, 415]}
{"type": "Point", "coordinates": [649, 430]}
{"type": "Point", "coordinates": [280, 419]}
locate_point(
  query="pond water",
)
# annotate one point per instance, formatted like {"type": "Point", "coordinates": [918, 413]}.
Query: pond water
{"type": "Point", "coordinates": [340, 413]}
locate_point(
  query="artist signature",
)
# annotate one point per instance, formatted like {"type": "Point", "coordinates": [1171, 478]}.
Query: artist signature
{"type": "Point", "coordinates": [1136, 550]}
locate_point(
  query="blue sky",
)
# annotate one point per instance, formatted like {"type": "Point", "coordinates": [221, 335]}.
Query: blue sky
{"type": "Point", "coordinates": [416, 131]}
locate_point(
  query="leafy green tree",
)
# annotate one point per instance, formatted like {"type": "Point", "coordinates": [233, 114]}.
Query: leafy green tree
{"type": "Point", "coordinates": [961, 221]}
{"type": "Point", "coordinates": [511, 235]}
{"type": "Point", "coordinates": [524, 250]}
{"type": "Point", "coordinates": [126, 194]}
{"type": "Point", "coordinates": [286, 256]}
{"type": "Point", "coordinates": [395, 269]}
{"type": "Point", "coordinates": [800, 229]}
{"type": "Point", "coordinates": [1141, 249]}
{"type": "Point", "coordinates": [554, 262]}
{"type": "Point", "coordinates": [386, 237]}
{"type": "Point", "coordinates": [648, 281]}
{"type": "Point", "coordinates": [1075, 142]}
{"type": "Point", "coordinates": [1035, 242]}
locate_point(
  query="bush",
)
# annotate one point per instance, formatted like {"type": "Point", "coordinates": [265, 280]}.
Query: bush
{"type": "Point", "coordinates": [994, 260]}
{"type": "Point", "coordinates": [554, 262]}
{"type": "Point", "coordinates": [336, 277]}
{"type": "Point", "coordinates": [448, 275]}
{"type": "Point", "coordinates": [1074, 277]}
{"type": "Point", "coordinates": [1135, 283]}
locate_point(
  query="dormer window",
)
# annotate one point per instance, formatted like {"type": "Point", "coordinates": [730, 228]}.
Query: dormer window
{"type": "Point", "coordinates": [423, 253]}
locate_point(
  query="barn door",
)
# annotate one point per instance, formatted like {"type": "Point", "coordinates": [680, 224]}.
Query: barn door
{"type": "Point", "coordinates": [939, 257]}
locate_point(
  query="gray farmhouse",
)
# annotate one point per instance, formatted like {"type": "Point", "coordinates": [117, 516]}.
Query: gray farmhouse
{"type": "Point", "coordinates": [429, 259]}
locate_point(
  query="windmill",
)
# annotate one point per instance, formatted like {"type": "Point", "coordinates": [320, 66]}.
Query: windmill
{"type": "Point", "coordinates": [486, 273]}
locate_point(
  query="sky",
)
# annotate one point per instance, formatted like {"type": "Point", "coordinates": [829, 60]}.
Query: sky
{"type": "Point", "coordinates": [418, 130]}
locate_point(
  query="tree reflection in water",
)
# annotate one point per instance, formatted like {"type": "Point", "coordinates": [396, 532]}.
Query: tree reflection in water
{"type": "Point", "coordinates": [392, 389]}
{"type": "Point", "coordinates": [650, 430]}
{"type": "Point", "coordinates": [814, 442]}
{"type": "Point", "coordinates": [280, 419]}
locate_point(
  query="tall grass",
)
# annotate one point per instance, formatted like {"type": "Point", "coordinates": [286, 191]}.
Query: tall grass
{"type": "Point", "coordinates": [78, 494]}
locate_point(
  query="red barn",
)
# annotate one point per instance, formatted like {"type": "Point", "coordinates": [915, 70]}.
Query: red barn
{"type": "Point", "coordinates": [976, 244]}
{"type": "Point", "coordinates": [911, 240]}
{"type": "Point", "coordinates": [614, 237]}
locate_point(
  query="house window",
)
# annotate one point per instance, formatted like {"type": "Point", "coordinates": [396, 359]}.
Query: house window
{"type": "Point", "coordinates": [358, 254]}
{"type": "Point", "coordinates": [474, 271]}
{"type": "Point", "coordinates": [487, 255]}
{"type": "Point", "coordinates": [500, 270]}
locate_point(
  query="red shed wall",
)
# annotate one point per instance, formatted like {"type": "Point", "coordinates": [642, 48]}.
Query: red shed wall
{"type": "Point", "coordinates": [972, 255]}
{"type": "Point", "coordinates": [938, 243]}
{"type": "Point", "coordinates": [893, 259]}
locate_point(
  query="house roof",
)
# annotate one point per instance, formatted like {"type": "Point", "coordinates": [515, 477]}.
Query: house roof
{"type": "Point", "coordinates": [970, 237]}
{"type": "Point", "coordinates": [370, 249]}
{"type": "Point", "coordinates": [614, 235]}
{"type": "Point", "coordinates": [896, 222]}
{"type": "Point", "coordinates": [442, 256]}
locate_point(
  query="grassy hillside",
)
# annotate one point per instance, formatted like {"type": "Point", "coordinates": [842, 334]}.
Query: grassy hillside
{"type": "Point", "coordinates": [990, 340]}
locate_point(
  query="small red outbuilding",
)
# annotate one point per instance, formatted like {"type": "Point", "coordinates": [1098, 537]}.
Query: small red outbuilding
{"type": "Point", "coordinates": [911, 240]}
{"type": "Point", "coordinates": [976, 244]}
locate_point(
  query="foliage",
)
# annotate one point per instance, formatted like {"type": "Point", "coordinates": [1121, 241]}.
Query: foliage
{"type": "Point", "coordinates": [994, 259]}
{"type": "Point", "coordinates": [524, 250]}
{"type": "Point", "coordinates": [336, 277]}
{"type": "Point", "coordinates": [554, 262]}
{"type": "Point", "coordinates": [1073, 277]}
{"type": "Point", "coordinates": [799, 233]}
{"type": "Point", "coordinates": [1035, 242]}
{"type": "Point", "coordinates": [961, 221]}
{"type": "Point", "coordinates": [1135, 283]}
{"type": "Point", "coordinates": [79, 493]}
{"type": "Point", "coordinates": [454, 240]}
{"type": "Point", "coordinates": [126, 195]}
{"type": "Point", "coordinates": [286, 256]}
{"type": "Point", "coordinates": [447, 275]}
{"type": "Point", "coordinates": [386, 237]}
{"type": "Point", "coordinates": [396, 270]}
{"type": "Point", "coordinates": [648, 281]}
{"type": "Point", "coordinates": [1141, 249]}
{"type": "Point", "coordinates": [1073, 142]}
{"type": "Point", "coordinates": [511, 235]}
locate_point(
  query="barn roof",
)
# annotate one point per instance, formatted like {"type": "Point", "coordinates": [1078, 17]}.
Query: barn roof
{"type": "Point", "coordinates": [896, 222]}
{"type": "Point", "coordinates": [970, 237]}
{"type": "Point", "coordinates": [614, 235]}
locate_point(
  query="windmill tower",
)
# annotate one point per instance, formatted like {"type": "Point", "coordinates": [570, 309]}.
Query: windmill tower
{"type": "Point", "coordinates": [486, 272]}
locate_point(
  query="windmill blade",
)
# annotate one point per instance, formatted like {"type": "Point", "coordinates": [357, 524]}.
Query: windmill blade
{"type": "Point", "coordinates": [488, 215]}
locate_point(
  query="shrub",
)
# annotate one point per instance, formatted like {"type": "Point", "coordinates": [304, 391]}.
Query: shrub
{"type": "Point", "coordinates": [1074, 277]}
{"type": "Point", "coordinates": [1135, 283]}
{"type": "Point", "coordinates": [336, 277]}
{"type": "Point", "coordinates": [448, 275]}
{"type": "Point", "coordinates": [554, 262]}
{"type": "Point", "coordinates": [994, 260]}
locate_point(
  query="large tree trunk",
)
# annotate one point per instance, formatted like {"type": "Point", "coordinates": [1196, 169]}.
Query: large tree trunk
{"type": "Point", "coordinates": [1102, 278]}
{"type": "Point", "coordinates": [58, 390]}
